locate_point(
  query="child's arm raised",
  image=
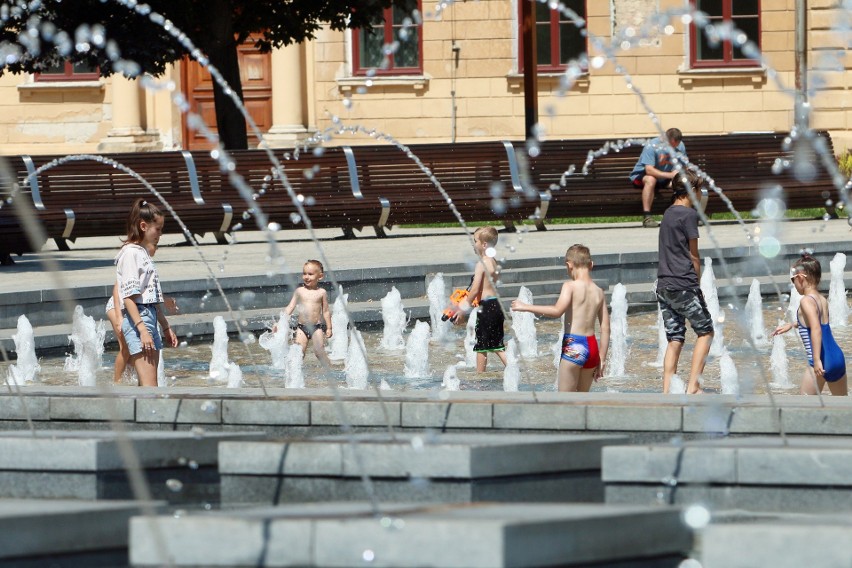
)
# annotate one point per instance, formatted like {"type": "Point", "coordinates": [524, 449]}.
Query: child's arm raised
{"type": "Point", "coordinates": [603, 316]}
{"type": "Point", "coordinates": [554, 311]}
{"type": "Point", "coordinates": [326, 314]}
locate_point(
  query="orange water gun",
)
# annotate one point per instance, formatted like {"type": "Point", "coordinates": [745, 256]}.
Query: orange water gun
{"type": "Point", "coordinates": [458, 296]}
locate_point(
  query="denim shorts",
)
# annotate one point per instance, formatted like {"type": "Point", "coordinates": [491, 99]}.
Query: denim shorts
{"type": "Point", "coordinates": [678, 306]}
{"type": "Point", "coordinates": [148, 313]}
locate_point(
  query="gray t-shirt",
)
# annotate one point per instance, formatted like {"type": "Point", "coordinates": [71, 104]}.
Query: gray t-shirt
{"type": "Point", "coordinates": [676, 272]}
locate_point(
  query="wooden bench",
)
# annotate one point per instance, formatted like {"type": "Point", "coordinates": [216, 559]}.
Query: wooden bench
{"type": "Point", "coordinates": [382, 185]}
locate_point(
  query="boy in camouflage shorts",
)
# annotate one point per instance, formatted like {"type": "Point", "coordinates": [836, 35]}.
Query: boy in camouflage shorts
{"type": "Point", "coordinates": [678, 291]}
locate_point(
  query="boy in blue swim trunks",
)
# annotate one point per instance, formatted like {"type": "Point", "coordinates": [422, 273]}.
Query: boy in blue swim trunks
{"type": "Point", "coordinates": [582, 302]}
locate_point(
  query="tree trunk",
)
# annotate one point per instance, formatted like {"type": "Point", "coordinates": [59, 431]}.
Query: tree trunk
{"type": "Point", "coordinates": [222, 52]}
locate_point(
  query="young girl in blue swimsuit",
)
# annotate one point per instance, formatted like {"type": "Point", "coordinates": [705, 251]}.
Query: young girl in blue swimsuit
{"type": "Point", "coordinates": [830, 366]}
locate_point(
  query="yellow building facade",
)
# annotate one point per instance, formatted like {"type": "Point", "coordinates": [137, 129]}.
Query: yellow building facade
{"type": "Point", "coordinates": [459, 78]}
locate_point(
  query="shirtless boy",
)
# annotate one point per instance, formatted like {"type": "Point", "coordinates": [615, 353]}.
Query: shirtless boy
{"type": "Point", "coordinates": [582, 302]}
{"type": "Point", "coordinates": [314, 315]}
{"type": "Point", "coordinates": [490, 317]}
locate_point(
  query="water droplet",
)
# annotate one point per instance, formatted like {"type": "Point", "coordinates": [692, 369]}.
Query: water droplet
{"type": "Point", "coordinates": [490, 252]}
{"type": "Point", "coordinates": [347, 102]}
{"type": "Point", "coordinates": [696, 516]}
{"type": "Point", "coordinates": [182, 345]}
{"type": "Point", "coordinates": [368, 555]}
{"type": "Point", "coordinates": [198, 432]}
{"type": "Point", "coordinates": [417, 443]}
{"type": "Point", "coordinates": [192, 464]}
{"type": "Point", "coordinates": [208, 406]}
{"type": "Point", "coordinates": [274, 227]}
{"type": "Point", "coordinates": [174, 485]}
{"type": "Point", "coordinates": [295, 218]}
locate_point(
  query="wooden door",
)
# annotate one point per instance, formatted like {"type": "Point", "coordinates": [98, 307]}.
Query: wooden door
{"type": "Point", "coordinates": [256, 75]}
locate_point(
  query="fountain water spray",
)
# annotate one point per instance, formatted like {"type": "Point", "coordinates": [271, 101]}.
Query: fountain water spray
{"type": "Point", "coordinates": [235, 376]}
{"type": "Point", "coordinates": [26, 369]}
{"type": "Point", "coordinates": [88, 338]}
{"type": "Point", "coordinates": [662, 340]}
{"type": "Point", "coordinates": [523, 324]}
{"type": "Point", "coordinates": [470, 340]}
{"type": "Point", "coordinates": [417, 352]}
{"type": "Point", "coordinates": [754, 315]}
{"type": "Point", "coordinates": [711, 298]}
{"type": "Point", "coordinates": [618, 336]}
{"type": "Point", "coordinates": [512, 372]}
{"type": "Point", "coordinates": [295, 377]}
{"type": "Point", "coordinates": [276, 342]}
{"type": "Point", "coordinates": [778, 363]}
{"type": "Point", "coordinates": [793, 307]}
{"type": "Point", "coordinates": [729, 377]}
{"type": "Point", "coordinates": [219, 360]}
{"type": "Point", "coordinates": [356, 364]}
{"type": "Point", "coordinates": [451, 380]}
{"type": "Point", "coordinates": [395, 320]}
{"type": "Point", "coordinates": [339, 342]}
{"type": "Point", "coordinates": [436, 292]}
{"type": "Point", "coordinates": [838, 308]}
{"type": "Point", "coordinates": [161, 370]}
{"type": "Point", "coordinates": [676, 385]}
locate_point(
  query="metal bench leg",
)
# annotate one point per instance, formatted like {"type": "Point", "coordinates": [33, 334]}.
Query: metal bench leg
{"type": "Point", "coordinates": [509, 227]}
{"type": "Point", "coordinates": [348, 233]}
{"type": "Point", "coordinates": [380, 232]}
{"type": "Point", "coordinates": [6, 259]}
{"type": "Point", "coordinates": [62, 244]}
{"type": "Point", "coordinates": [221, 238]}
{"type": "Point", "coordinates": [540, 225]}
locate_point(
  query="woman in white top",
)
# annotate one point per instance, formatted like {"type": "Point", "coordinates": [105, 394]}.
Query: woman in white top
{"type": "Point", "coordinates": [140, 293]}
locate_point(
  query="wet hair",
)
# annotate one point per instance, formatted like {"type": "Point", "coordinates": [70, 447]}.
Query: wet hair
{"type": "Point", "coordinates": [579, 255]}
{"type": "Point", "coordinates": [810, 267]}
{"type": "Point", "coordinates": [141, 210]}
{"type": "Point", "coordinates": [674, 134]}
{"type": "Point", "coordinates": [316, 263]}
{"type": "Point", "coordinates": [488, 234]}
{"type": "Point", "coordinates": [684, 179]}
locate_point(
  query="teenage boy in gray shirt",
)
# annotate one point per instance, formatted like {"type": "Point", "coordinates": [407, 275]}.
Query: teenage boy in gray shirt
{"type": "Point", "coordinates": [678, 291]}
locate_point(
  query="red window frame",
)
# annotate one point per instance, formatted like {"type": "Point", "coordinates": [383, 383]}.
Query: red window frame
{"type": "Point", "coordinates": [555, 45]}
{"type": "Point", "coordinates": [727, 47]}
{"type": "Point", "coordinates": [67, 75]}
{"type": "Point", "coordinates": [388, 36]}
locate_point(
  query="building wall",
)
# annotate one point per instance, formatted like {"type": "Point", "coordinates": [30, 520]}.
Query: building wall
{"type": "Point", "coordinates": [480, 96]}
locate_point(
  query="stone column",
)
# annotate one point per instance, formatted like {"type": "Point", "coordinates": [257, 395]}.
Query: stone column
{"type": "Point", "coordinates": [128, 132]}
{"type": "Point", "coordinates": [288, 115]}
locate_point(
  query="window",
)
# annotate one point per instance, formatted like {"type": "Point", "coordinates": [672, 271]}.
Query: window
{"type": "Point", "coordinates": [558, 39]}
{"type": "Point", "coordinates": [743, 15]}
{"type": "Point", "coordinates": [397, 28]}
{"type": "Point", "coordinates": [68, 71]}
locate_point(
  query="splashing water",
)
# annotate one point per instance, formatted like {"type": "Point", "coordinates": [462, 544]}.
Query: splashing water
{"type": "Point", "coordinates": [276, 342]}
{"type": "Point", "coordinates": [618, 335]}
{"type": "Point", "coordinates": [161, 370]}
{"type": "Point", "coordinates": [778, 363]}
{"type": "Point", "coordinates": [795, 300]}
{"type": "Point", "coordinates": [512, 372]}
{"type": "Point", "coordinates": [523, 324]}
{"type": "Point", "coordinates": [754, 315]}
{"type": "Point", "coordinates": [88, 338]}
{"type": "Point", "coordinates": [437, 294]}
{"type": "Point", "coordinates": [662, 340]}
{"type": "Point", "coordinates": [339, 342]}
{"type": "Point", "coordinates": [451, 380]}
{"type": "Point", "coordinates": [417, 352]}
{"type": "Point", "coordinates": [838, 308]}
{"type": "Point", "coordinates": [395, 320]}
{"type": "Point", "coordinates": [711, 298]}
{"type": "Point", "coordinates": [470, 340]}
{"type": "Point", "coordinates": [26, 369]}
{"type": "Point", "coordinates": [295, 377]}
{"type": "Point", "coordinates": [676, 385]}
{"type": "Point", "coordinates": [356, 364]}
{"type": "Point", "coordinates": [729, 377]}
{"type": "Point", "coordinates": [219, 360]}
{"type": "Point", "coordinates": [235, 376]}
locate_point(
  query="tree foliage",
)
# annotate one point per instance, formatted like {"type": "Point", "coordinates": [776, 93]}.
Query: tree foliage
{"type": "Point", "coordinates": [109, 34]}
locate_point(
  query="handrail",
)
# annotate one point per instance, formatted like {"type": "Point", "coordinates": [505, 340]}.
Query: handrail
{"type": "Point", "coordinates": [353, 172]}
{"type": "Point", "coordinates": [34, 188]}
{"type": "Point", "coordinates": [193, 177]}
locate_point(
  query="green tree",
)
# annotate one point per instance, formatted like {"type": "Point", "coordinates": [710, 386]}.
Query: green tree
{"type": "Point", "coordinates": [216, 27]}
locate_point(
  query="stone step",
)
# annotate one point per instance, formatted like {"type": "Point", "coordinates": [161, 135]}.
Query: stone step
{"type": "Point", "coordinates": [416, 467]}
{"type": "Point", "coordinates": [180, 467]}
{"type": "Point", "coordinates": [806, 475]}
{"type": "Point", "coordinates": [47, 532]}
{"type": "Point", "coordinates": [403, 535]}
